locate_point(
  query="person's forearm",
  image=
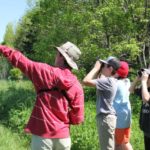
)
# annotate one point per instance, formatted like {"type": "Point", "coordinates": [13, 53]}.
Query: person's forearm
{"type": "Point", "coordinates": [88, 80]}
{"type": "Point", "coordinates": [133, 85]}
{"type": "Point", "coordinates": [90, 76]}
{"type": "Point", "coordinates": [145, 93]}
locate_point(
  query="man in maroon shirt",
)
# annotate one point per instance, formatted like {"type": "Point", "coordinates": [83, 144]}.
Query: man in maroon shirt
{"type": "Point", "coordinates": [59, 101]}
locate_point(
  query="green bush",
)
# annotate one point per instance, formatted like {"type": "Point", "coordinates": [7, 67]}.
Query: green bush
{"type": "Point", "coordinates": [15, 74]}
{"type": "Point", "coordinates": [135, 104]}
{"type": "Point", "coordinates": [89, 94]}
{"type": "Point", "coordinates": [84, 136]}
{"type": "Point", "coordinates": [16, 103]}
{"type": "Point", "coordinates": [18, 117]}
{"type": "Point", "coordinates": [80, 73]}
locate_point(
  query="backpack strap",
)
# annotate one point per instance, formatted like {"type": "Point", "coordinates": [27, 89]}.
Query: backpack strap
{"type": "Point", "coordinates": [54, 89]}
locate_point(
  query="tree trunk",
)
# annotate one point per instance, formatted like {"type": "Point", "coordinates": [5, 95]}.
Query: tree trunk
{"type": "Point", "coordinates": [143, 55]}
{"type": "Point", "coordinates": [148, 54]}
{"type": "Point", "coordinates": [140, 61]}
{"type": "Point", "coordinates": [97, 2]}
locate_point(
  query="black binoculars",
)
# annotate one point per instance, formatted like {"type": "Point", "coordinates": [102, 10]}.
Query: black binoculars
{"type": "Point", "coordinates": [142, 70]}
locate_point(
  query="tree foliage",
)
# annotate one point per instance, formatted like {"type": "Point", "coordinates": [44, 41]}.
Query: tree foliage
{"type": "Point", "coordinates": [99, 28]}
{"type": "Point", "coordinates": [9, 35]}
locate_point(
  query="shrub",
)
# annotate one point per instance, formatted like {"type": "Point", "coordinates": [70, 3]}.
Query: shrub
{"type": "Point", "coordinates": [18, 117]}
{"type": "Point", "coordinates": [15, 74]}
{"type": "Point", "coordinates": [80, 73]}
{"type": "Point", "coordinates": [90, 93]}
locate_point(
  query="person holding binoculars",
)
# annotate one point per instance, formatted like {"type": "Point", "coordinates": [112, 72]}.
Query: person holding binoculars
{"type": "Point", "coordinates": [102, 76]}
{"type": "Point", "coordinates": [144, 92]}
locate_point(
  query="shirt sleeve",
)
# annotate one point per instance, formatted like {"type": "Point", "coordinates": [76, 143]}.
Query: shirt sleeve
{"type": "Point", "coordinates": [33, 70]}
{"type": "Point", "coordinates": [76, 113]}
{"type": "Point", "coordinates": [17, 59]}
{"type": "Point", "coordinates": [62, 82]}
{"type": "Point", "coordinates": [103, 84]}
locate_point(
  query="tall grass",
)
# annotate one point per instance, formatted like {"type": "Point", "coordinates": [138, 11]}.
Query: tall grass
{"type": "Point", "coordinates": [16, 103]}
{"type": "Point", "coordinates": [10, 140]}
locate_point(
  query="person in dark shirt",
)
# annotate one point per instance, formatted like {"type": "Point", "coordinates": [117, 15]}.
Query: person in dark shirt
{"type": "Point", "coordinates": [144, 92]}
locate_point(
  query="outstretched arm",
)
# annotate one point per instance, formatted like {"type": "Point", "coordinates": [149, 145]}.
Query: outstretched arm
{"type": "Point", "coordinates": [133, 85]}
{"type": "Point", "coordinates": [17, 59]}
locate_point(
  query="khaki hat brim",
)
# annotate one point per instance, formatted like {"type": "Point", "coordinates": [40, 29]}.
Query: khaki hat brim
{"type": "Point", "coordinates": [70, 62]}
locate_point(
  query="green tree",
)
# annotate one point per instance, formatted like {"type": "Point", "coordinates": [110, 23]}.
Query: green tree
{"type": "Point", "coordinates": [99, 28]}
{"type": "Point", "coordinates": [9, 35]}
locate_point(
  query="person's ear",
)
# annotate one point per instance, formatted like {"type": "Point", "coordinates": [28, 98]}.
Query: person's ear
{"type": "Point", "coordinates": [111, 68]}
{"type": "Point", "coordinates": [61, 57]}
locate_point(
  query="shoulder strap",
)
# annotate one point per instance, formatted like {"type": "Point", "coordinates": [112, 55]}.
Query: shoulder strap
{"type": "Point", "coordinates": [47, 90]}
{"type": "Point", "coordinates": [54, 89]}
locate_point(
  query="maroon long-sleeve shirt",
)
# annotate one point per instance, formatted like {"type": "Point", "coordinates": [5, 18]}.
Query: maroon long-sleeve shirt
{"type": "Point", "coordinates": [52, 113]}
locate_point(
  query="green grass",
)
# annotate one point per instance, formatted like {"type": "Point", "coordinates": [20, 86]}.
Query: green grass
{"type": "Point", "coordinates": [10, 141]}
{"type": "Point", "coordinates": [16, 103]}
{"type": "Point", "coordinates": [137, 139]}
{"type": "Point", "coordinates": [84, 136]}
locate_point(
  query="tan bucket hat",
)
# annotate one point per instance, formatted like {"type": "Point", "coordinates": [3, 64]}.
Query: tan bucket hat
{"type": "Point", "coordinates": [71, 53]}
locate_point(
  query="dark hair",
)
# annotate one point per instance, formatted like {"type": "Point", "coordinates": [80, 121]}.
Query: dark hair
{"type": "Point", "coordinates": [66, 64]}
{"type": "Point", "coordinates": [102, 66]}
{"type": "Point", "coordinates": [119, 78]}
{"type": "Point", "coordinates": [113, 71]}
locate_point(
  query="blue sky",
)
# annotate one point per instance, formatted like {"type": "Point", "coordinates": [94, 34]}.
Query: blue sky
{"type": "Point", "coordinates": [10, 11]}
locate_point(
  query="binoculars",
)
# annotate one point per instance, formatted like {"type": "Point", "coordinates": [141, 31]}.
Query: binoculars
{"type": "Point", "coordinates": [142, 70]}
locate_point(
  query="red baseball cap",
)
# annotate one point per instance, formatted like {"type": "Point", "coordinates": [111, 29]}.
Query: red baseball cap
{"type": "Point", "coordinates": [123, 70]}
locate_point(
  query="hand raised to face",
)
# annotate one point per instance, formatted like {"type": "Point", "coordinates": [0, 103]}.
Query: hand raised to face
{"type": "Point", "coordinates": [97, 65]}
